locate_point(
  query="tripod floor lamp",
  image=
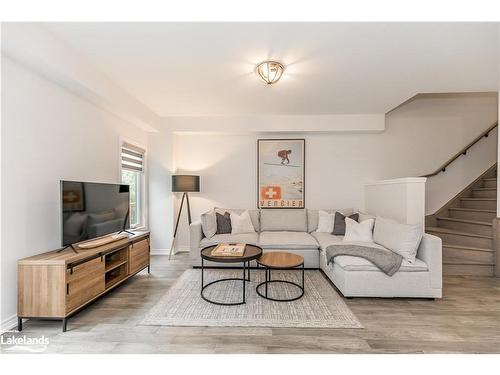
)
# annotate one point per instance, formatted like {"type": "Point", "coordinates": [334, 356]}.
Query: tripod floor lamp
{"type": "Point", "coordinates": [185, 184]}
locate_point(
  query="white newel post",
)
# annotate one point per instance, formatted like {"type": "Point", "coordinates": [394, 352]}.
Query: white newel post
{"type": "Point", "coordinates": [401, 199]}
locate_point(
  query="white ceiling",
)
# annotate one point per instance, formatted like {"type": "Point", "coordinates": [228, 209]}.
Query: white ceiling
{"type": "Point", "coordinates": [196, 69]}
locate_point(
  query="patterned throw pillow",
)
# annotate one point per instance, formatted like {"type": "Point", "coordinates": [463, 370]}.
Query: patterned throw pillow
{"type": "Point", "coordinates": [209, 223]}
{"type": "Point", "coordinates": [241, 223]}
{"type": "Point", "coordinates": [359, 232]}
{"type": "Point", "coordinates": [325, 222]}
{"type": "Point", "coordinates": [339, 223]}
{"type": "Point", "coordinates": [223, 223]}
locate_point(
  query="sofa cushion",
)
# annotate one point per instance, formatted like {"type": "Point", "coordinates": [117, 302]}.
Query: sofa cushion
{"type": "Point", "coordinates": [325, 239]}
{"type": "Point", "coordinates": [283, 220]}
{"type": "Point", "coordinates": [248, 238]}
{"type": "Point", "coordinates": [312, 216]}
{"type": "Point", "coordinates": [350, 263]}
{"type": "Point", "coordinates": [254, 215]}
{"type": "Point", "coordinates": [287, 240]}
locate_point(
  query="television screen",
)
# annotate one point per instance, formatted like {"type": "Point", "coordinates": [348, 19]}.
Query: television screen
{"type": "Point", "coordinates": [91, 209]}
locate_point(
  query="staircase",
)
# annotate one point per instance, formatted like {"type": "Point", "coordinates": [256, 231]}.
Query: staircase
{"type": "Point", "coordinates": [465, 227]}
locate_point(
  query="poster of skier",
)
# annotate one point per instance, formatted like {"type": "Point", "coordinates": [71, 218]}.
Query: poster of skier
{"type": "Point", "coordinates": [281, 167]}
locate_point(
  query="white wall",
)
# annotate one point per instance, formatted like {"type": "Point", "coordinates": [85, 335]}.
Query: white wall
{"type": "Point", "coordinates": [161, 200]}
{"type": "Point", "coordinates": [419, 136]}
{"type": "Point", "coordinates": [33, 46]}
{"type": "Point", "coordinates": [48, 134]}
{"type": "Point", "coordinates": [498, 135]}
{"type": "Point", "coordinates": [291, 124]}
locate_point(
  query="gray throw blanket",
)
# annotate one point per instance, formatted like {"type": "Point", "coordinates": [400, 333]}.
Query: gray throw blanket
{"type": "Point", "coordinates": [386, 260]}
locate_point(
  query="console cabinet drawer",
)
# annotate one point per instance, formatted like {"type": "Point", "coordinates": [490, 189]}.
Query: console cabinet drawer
{"type": "Point", "coordinates": [86, 282]}
{"type": "Point", "coordinates": [86, 269]}
{"type": "Point", "coordinates": [139, 255]}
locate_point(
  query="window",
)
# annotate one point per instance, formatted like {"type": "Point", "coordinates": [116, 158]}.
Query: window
{"type": "Point", "coordinates": [132, 166]}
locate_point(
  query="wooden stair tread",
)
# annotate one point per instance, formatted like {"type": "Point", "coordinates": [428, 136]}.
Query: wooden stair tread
{"type": "Point", "coordinates": [485, 189]}
{"type": "Point", "coordinates": [485, 223]}
{"type": "Point", "coordinates": [465, 225]}
{"type": "Point", "coordinates": [471, 209]}
{"type": "Point", "coordinates": [467, 263]}
{"type": "Point", "coordinates": [470, 248]}
{"type": "Point", "coordinates": [451, 231]}
{"type": "Point", "coordinates": [478, 199]}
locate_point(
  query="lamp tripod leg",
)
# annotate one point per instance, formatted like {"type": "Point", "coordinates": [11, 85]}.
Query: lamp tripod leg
{"type": "Point", "coordinates": [171, 249]}
{"type": "Point", "coordinates": [176, 226]}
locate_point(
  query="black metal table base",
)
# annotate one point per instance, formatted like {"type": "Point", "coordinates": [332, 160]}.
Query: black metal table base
{"type": "Point", "coordinates": [269, 281]}
{"type": "Point", "coordinates": [244, 279]}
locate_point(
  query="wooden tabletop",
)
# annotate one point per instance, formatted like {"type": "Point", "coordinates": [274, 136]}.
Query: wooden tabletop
{"type": "Point", "coordinates": [69, 256]}
{"type": "Point", "coordinates": [280, 260]}
{"type": "Point", "coordinates": [251, 252]}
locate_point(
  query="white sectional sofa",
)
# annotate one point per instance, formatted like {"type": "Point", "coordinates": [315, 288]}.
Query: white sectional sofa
{"type": "Point", "coordinates": [295, 231]}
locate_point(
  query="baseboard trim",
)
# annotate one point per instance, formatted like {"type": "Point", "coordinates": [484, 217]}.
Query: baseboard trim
{"type": "Point", "coordinates": [167, 251]}
{"type": "Point", "coordinates": [8, 324]}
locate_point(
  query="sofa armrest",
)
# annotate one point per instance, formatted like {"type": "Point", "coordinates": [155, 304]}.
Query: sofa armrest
{"type": "Point", "coordinates": [195, 236]}
{"type": "Point", "coordinates": [430, 251]}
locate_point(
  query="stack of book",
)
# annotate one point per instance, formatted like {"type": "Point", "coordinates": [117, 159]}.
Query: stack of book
{"type": "Point", "coordinates": [229, 250]}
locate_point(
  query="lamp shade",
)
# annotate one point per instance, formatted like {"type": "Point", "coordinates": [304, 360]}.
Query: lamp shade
{"type": "Point", "coordinates": [185, 183]}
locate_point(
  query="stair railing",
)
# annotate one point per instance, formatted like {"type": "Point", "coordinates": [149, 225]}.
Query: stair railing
{"type": "Point", "coordinates": [463, 151]}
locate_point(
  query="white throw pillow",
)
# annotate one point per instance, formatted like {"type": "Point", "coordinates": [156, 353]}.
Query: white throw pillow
{"type": "Point", "coordinates": [209, 223]}
{"type": "Point", "coordinates": [325, 222]}
{"type": "Point", "coordinates": [241, 223]}
{"type": "Point", "coordinates": [400, 238]}
{"type": "Point", "coordinates": [362, 232]}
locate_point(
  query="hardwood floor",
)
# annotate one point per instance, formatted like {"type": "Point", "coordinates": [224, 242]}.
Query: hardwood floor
{"type": "Point", "coordinates": [466, 320]}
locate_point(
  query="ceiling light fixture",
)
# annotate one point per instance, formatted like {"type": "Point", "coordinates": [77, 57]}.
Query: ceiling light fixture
{"type": "Point", "coordinates": [270, 71]}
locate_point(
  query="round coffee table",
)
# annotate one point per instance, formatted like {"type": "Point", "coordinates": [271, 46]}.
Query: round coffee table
{"type": "Point", "coordinates": [280, 260]}
{"type": "Point", "coordinates": [251, 252]}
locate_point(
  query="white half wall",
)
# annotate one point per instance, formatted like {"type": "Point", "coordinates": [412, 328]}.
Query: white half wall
{"type": "Point", "coordinates": [400, 199]}
{"type": "Point", "coordinates": [419, 136]}
{"type": "Point", "coordinates": [48, 134]}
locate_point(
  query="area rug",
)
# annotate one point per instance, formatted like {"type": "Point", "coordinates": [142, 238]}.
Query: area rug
{"type": "Point", "coordinates": [320, 307]}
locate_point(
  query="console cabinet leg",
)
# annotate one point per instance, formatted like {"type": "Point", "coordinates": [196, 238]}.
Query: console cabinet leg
{"type": "Point", "coordinates": [19, 324]}
{"type": "Point", "coordinates": [64, 324]}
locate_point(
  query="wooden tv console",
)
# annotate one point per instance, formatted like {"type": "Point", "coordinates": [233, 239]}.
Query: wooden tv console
{"type": "Point", "coordinates": [57, 285]}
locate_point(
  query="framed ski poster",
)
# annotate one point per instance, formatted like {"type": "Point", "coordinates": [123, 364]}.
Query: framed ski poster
{"type": "Point", "coordinates": [280, 173]}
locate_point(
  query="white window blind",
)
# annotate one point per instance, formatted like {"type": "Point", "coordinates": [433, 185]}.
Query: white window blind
{"type": "Point", "coordinates": [132, 157]}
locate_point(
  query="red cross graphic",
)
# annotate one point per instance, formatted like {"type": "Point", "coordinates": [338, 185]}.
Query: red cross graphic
{"type": "Point", "coordinates": [270, 192]}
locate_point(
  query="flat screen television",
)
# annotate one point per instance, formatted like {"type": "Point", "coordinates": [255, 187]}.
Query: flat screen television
{"type": "Point", "coordinates": [90, 210]}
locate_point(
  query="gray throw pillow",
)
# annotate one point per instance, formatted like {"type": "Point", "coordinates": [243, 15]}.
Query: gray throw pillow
{"type": "Point", "coordinates": [339, 223]}
{"type": "Point", "coordinates": [223, 223]}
